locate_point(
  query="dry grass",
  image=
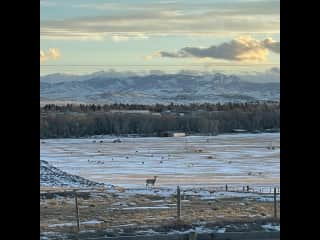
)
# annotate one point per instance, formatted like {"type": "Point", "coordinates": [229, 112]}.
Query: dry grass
{"type": "Point", "coordinates": [113, 211]}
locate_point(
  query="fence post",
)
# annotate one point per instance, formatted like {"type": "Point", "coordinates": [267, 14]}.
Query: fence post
{"type": "Point", "coordinates": [275, 202]}
{"type": "Point", "coordinates": [77, 210]}
{"type": "Point", "coordinates": [178, 203]}
{"type": "Point", "coordinates": [192, 236]}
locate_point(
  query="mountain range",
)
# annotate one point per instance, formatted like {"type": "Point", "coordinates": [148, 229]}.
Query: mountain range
{"type": "Point", "coordinates": [184, 88]}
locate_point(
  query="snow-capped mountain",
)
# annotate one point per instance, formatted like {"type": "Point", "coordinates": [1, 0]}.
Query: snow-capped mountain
{"type": "Point", "coordinates": [103, 87]}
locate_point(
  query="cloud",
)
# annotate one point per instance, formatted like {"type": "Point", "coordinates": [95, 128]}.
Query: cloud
{"type": "Point", "coordinates": [152, 56]}
{"type": "Point", "coordinates": [191, 19]}
{"type": "Point", "coordinates": [239, 49]}
{"type": "Point", "coordinates": [51, 54]}
{"type": "Point", "coordinates": [272, 45]}
{"type": "Point", "coordinates": [46, 3]}
{"type": "Point", "coordinates": [274, 70]}
{"type": "Point", "coordinates": [215, 7]}
{"type": "Point", "coordinates": [127, 37]}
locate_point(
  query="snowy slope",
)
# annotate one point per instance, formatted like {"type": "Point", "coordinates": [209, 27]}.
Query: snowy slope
{"type": "Point", "coordinates": [153, 88]}
{"type": "Point", "coordinates": [52, 176]}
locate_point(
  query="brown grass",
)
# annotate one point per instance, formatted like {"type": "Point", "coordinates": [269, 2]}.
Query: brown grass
{"type": "Point", "coordinates": [62, 210]}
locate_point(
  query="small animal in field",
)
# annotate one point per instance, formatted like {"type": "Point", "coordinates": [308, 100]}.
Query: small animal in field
{"type": "Point", "coordinates": [151, 181]}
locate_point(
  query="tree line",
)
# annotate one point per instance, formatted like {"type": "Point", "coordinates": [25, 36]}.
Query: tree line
{"type": "Point", "coordinates": [253, 106]}
{"type": "Point", "coordinates": [87, 120]}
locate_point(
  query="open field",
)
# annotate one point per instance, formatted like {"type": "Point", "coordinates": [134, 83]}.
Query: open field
{"type": "Point", "coordinates": [123, 206]}
{"type": "Point", "coordinates": [187, 161]}
{"type": "Point", "coordinates": [117, 212]}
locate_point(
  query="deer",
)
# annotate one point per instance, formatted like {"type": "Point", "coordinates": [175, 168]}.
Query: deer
{"type": "Point", "coordinates": [151, 181]}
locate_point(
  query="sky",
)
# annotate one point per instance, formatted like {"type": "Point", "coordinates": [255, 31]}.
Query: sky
{"type": "Point", "coordinates": [79, 37]}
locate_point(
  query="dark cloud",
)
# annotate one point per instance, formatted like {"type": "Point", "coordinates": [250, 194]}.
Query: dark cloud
{"type": "Point", "coordinates": [240, 49]}
{"type": "Point", "coordinates": [272, 45]}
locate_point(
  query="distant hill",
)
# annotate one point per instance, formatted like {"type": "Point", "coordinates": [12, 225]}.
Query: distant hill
{"type": "Point", "coordinates": [103, 87]}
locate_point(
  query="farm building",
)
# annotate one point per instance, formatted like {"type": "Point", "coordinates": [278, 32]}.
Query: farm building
{"type": "Point", "coordinates": [172, 134]}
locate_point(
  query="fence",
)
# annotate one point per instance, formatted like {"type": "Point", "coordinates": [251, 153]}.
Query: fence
{"type": "Point", "coordinates": [81, 210]}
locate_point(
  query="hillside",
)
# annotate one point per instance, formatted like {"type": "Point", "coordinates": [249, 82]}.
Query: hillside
{"type": "Point", "coordinates": [106, 88]}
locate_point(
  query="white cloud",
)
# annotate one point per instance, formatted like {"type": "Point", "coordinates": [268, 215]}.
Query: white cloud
{"type": "Point", "coordinates": [51, 54]}
{"type": "Point", "coordinates": [126, 37]}
{"type": "Point", "coordinates": [173, 18]}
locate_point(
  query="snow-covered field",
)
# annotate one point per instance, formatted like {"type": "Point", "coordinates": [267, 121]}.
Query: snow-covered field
{"type": "Point", "coordinates": [187, 161]}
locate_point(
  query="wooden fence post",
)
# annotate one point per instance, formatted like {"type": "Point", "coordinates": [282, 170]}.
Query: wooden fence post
{"type": "Point", "coordinates": [77, 210]}
{"type": "Point", "coordinates": [275, 202]}
{"type": "Point", "coordinates": [192, 236]}
{"type": "Point", "coordinates": [178, 203]}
